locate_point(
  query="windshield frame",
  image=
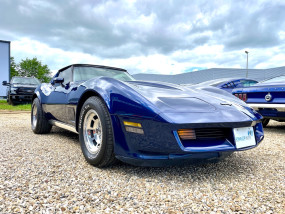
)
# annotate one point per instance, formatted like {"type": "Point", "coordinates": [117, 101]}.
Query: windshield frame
{"type": "Point", "coordinates": [72, 67]}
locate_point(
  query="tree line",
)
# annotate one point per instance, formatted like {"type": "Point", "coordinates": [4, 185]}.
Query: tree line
{"type": "Point", "coordinates": [30, 68]}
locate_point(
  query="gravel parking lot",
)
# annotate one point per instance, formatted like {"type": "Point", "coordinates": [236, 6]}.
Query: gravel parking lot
{"type": "Point", "coordinates": [48, 174]}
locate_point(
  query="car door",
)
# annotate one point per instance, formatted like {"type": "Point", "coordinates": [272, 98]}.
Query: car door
{"type": "Point", "coordinates": [57, 101]}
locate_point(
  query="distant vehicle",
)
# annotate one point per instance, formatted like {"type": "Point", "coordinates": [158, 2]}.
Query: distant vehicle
{"type": "Point", "coordinates": [21, 89]}
{"type": "Point", "coordinates": [266, 97]}
{"type": "Point", "coordinates": [142, 123]}
{"type": "Point", "coordinates": [228, 84]}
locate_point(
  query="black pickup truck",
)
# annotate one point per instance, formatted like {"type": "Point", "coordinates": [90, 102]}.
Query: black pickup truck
{"type": "Point", "coordinates": [21, 89]}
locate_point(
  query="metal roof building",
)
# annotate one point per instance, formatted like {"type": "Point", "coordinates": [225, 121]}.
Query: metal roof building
{"type": "Point", "coordinates": [213, 73]}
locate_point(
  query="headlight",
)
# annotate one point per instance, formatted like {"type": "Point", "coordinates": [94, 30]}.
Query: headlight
{"type": "Point", "coordinates": [14, 90]}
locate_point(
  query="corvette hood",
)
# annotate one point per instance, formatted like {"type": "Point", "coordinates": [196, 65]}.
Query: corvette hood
{"type": "Point", "coordinates": [172, 99]}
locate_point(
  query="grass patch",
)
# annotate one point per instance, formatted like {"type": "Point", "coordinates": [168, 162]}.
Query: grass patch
{"type": "Point", "coordinates": [5, 106]}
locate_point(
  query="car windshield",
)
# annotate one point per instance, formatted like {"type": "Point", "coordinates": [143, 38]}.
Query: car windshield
{"type": "Point", "coordinates": [88, 72]}
{"type": "Point", "coordinates": [25, 80]}
{"type": "Point", "coordinates": [275, 79]}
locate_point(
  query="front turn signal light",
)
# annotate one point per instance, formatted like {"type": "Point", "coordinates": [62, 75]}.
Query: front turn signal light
{"type": "Point", "coordinates": [127, 123]}
{"type": "Point", "coordinates": [187, 134]}
{"type": "Point", "coordinates": [133, 127]}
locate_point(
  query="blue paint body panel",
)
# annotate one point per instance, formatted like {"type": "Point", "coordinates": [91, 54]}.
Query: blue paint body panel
{"type": "Point", "coordinates": [162, 109]}
{"type": "Point", "coordinates": [256, 95]}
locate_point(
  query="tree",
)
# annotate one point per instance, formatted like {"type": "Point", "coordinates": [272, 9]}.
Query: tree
{"type": "Point", "coordinates": [13, 67]}
{"type": "Point", "coordinates": [34, 68]}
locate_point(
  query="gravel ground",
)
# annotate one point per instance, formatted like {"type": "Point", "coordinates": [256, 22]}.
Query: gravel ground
{"type": "Point", "coordinates": [48, 174]}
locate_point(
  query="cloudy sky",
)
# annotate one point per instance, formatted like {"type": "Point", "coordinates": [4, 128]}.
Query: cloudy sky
{"type": "Point", "coordinates": [147, 36]}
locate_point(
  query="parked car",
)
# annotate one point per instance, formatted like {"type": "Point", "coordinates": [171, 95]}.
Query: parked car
{"type": "Point", "coordinates": [21, 89]}
{"type": "Point", "coordinates": [142, 123]}
{"type": "Point", "coordinates": [267, 98]}
{"type": "Point", "coordinates": [229, 84]}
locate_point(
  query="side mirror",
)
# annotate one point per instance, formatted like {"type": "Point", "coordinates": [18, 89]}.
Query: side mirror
{"type": "Point", "coordinates": [57, 80]}
{"type": "Point", "coordinates": [5, 83]}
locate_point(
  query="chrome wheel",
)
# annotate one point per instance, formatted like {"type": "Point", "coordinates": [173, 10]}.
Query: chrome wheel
{"type": "Point", "coordinates": [34, 115]}
{"type": "Point", "coordinates": [92, 132]}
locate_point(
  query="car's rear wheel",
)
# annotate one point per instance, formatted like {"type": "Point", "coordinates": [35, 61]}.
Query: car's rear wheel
{"type": "Point", "coordinates": [40, 124]}
{"type": "Point", "coordinates": [265, 122]}
{"type": "Point", "coordinates": [96, 133]}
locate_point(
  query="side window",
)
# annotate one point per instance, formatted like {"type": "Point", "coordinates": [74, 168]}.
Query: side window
{"type": "Point", "coordinates": [67, 75]}
{"type": "Point", "coordinates": [235, 83]}
{"type": "Point", "coordinates": [231, 85]}
{"type": "Point", "coordinates": [247, 83]}
{"type": "Point", "coordinates": [228, 85]}
{"type": "Point", "coordinates": [251, 83]}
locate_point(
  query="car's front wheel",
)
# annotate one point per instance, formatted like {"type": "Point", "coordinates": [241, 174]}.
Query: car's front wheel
{"type": "Point", "coordinates": [10, 101]}
{"type": "Point", "coordinates": [40, 124]}
{"type": "Point", "coordinates": [96, 133]}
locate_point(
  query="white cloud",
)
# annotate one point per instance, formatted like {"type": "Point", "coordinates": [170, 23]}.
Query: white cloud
{"type": "Point", "coordinates": [146, 36]}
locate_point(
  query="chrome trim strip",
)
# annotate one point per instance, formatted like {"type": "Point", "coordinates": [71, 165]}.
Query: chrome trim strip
{"type": "Point", "coordinates": [256, 106]}
{"type": "Point", "coordinates": [63, 125]}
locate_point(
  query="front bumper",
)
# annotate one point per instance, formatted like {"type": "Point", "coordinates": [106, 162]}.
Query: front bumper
{"type": "Point", "coordinates": [23, 98]}
{"type": "Point", "coordinates": [160, 142]}
{"type": "Point", "coordinates": [171, 160]}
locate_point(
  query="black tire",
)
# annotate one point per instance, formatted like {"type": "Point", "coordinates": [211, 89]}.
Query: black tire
{"type": "Point", "coordinates": [94, 110]}
{"type": "Point", "coordinates": [39, 123]}
{"type": "Point", "coordinates": [10, 101]}
{"type": "Point", "coordinates": [265, 122]}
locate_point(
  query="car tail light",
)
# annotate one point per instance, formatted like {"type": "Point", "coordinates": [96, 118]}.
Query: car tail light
{"type": "Point", "coordinates": [187, 134]}
{"type": "Point", "coordinates": [244, 97]}
{"type": "Point", "coordinates": [240, 96]}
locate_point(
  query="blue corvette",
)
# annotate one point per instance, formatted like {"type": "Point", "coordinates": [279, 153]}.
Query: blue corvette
{"type": "Point", "coordinates": [142, 123]}
{"type": "Point", "coordinates": [267, 98]}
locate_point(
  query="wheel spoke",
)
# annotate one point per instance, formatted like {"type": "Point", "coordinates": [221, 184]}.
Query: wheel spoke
{"type": "Point", "coordinates": [89, 126]}
{"type": "Point", "coordinates": [92, 131]}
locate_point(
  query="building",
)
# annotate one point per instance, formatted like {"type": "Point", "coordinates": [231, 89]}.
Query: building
{"type": "Point", "coordinates": [4, 65]}
{"type": "Point", "coordinates": [213, 73]}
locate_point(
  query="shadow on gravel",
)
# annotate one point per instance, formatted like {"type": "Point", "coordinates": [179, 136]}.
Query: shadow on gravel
{"type": "Point", "coordinates": [275, 129]}
{"type": "Point", "coordinates": [230, 167]}
{"type": "Point", "coordinates": [73, 137]}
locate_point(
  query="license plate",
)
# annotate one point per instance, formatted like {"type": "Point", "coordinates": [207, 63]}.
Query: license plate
{"type": "Point", "coordinates": [244, 137]}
